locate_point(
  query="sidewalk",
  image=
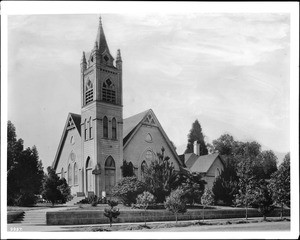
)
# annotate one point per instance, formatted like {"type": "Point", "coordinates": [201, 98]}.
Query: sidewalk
{"type": "Point", "coordinates": [73, 228]}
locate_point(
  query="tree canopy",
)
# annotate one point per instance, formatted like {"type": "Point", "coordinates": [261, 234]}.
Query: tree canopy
{"type": "Point", "coordinates": [24, 171]}
{"type": "Point", "coordinates": [55, 190]}
{"type": "Point", "coordinates": [159, 176]}
{"type": "Point", "coordinates": [196, 135]}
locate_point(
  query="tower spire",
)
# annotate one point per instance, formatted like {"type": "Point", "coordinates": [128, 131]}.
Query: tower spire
{"type": "Point", "coordinates": [101, 40]}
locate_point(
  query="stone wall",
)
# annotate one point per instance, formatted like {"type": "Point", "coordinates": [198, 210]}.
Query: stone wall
{"type": "Point", "coordinates": [97, 217]}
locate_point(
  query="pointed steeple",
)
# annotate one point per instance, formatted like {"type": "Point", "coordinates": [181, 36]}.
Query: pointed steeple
{"type": "Point", "coordinates": [83, 60]}
{"type": "Point", "coordinates": [101, 40]}
{"type": "Point", "coordinates": [119, 58]}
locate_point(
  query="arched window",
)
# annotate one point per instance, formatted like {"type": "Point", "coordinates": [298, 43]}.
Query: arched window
{"type": "Point", "coordinates": [114, 128]}
{"type": "Point", "coordinates": [217, 172]}
{"type": "Point", "coordinates": [149, 155]}
{"type": "Point", "coordinates": [110, 174]}
{"type": "Point", "coordinates": [108, 91]}
{"type": "Point", "coordinates": [144, 166]}
{"type": "Point", "coordinates": [88, 92]}
{"type": "Point", "coordinates": [62, 175]}
{"type": "Point", "coordinates": [85, 130]}
{"type": "Point", "coordinates": [75, 174]}
{"type": "Point", "coordinates": [89, 176]}
{"type": "Point", "coordinates": [90, 128]}
{"type": "Point", "coordinates": [105, 127]}
{"type": "Point", "coordinates": [69, 175]}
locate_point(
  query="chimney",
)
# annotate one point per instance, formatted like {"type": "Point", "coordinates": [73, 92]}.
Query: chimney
{"type": "Point", "coordinates": [197, 148]}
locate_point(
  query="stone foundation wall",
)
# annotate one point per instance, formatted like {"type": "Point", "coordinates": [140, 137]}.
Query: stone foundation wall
{"type": "Point", "coordinates": [97, 217]}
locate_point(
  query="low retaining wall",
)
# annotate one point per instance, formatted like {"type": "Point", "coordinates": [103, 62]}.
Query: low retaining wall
{"type": "Point", "coordinates": [97, 217]}
{"type": "Point", "coordinates": [13, 215]}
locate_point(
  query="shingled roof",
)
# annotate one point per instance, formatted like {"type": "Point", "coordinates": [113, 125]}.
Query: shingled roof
{"type": "Point", "coordinates": [130, 123]}
{"type": "Point", "coordinates": [200, 163]}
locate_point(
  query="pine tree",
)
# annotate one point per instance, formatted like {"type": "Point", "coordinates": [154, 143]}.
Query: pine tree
{"type": "Point", "coordinates": [196, 135]}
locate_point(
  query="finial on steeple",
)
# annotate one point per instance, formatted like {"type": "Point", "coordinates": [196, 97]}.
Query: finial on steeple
{"type": "Point", "coordinates": [100, 20]}
{"type": "Point", "coordinates": [83, 57]}
{"type": "Point", "coordinates": [119, 58]}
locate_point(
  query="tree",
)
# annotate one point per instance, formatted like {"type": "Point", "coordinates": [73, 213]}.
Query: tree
{"type": "Point", "coordinates": [65, 190]}
{"type": "Point", "coordinates": [127, 169]}
{"type": "Point", "coordinates": [144, 200]}
{"type": "Point", "coordinates": [127, 189]}
{"type": "Point", "coordinates": [196, 135]}
{"type": "Point", "coordinates": [192, 184]}
{"type": "Point", "coordinates": [262, 198]}
{"type": "Point", "coordinates": [248, 171]}
{"type": "Point", "coordinates": [269, 163]}
{"type": "Point", "coordinates": [176, 202]}
{"type": "Point", "coordinates": [24, 171]}
{"type": "Point", "coordinates": [280, 184]}
{"type": "Point", "coordinates": [111, 212]}
{"type": "Point", "coordinates": [226, 185]}
{"type": "Point", "coordinates": [207, 199]}
{"type": "Point", "coordinates": [159, 176]}
{"type": "Point", "coordinates": [55, 190]}
{"type": "Point", "coordinates": [225, 145]}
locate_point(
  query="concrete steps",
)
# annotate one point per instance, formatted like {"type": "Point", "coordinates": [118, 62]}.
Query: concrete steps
{"type": "Point", "coordinates": [32, 217]}
{"type": "Point", "coordinates": [74, 201]}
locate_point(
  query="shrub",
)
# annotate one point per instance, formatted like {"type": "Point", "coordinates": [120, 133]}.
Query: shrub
{"type": "Point", "coordinates": [144, 200]}
{"type": "Point", "coordinates": [175, 202]}
{"type": "Point", "coordinates": [111, 212]}
{"type": "Point", "coordinates": [127, 190]}
{"type": "Point", "coordinates": [207, 199]}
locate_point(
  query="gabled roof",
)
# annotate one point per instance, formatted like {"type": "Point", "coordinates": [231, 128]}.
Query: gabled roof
{"type": "Point", "coordinates": [130, 127]}
{"type": "Point", "coordinates": [71, 119]}
{"type": "Point", "coordinates": [129, 124]}
{"type": "Point", "coordinates": [201, 163]}
{"type": "Point", "coordinates": [77, 120]}
{"type": "Point", "coordinates": [132, 124]}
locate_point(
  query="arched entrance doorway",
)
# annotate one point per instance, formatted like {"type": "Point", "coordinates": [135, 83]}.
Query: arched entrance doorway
{"type": "Point", "coordinates": [89, 176]}
{"type": "Point", "coordinates": [110, 174]}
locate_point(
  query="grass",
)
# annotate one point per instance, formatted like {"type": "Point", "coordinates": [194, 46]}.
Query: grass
{"type": "Point", "coordinates": [141, 227]}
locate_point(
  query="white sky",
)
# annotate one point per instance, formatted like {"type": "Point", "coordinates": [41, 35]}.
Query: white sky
{"type": "Point", "coordinates": [229, 71]}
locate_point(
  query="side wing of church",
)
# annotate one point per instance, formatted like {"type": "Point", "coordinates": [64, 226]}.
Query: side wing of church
{"type": "Point", "coordinates": [94, 144]}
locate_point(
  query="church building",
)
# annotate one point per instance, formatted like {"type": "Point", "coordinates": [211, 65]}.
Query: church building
{"type": "Point", "coordinates": [94, 144]}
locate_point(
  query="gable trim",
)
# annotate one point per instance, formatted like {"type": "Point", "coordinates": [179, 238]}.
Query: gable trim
{"type": "Point", "coordinates": [62, 140]}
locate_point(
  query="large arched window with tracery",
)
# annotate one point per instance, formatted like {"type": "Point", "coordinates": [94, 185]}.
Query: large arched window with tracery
{"type": "Point", "coordinates": [70, 175]}
{"type": "Point", "coordinates": [110, 174]}
{"type": "Point", "coordinates": [144, 167]}
{"type": "Point", "coordinates": [75, 174]}
{"type": "Point", "coordinates": [105, 127]}
{"type": "Point", "coordinates": [108, 91]}
{"type": "Point", "coordinates": [114, 128]}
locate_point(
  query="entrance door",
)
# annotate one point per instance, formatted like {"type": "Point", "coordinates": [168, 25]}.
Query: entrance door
{"type": "Point", "coordinates": [89, 176]}
{"type": "Point", "coordinates": [110, 174]}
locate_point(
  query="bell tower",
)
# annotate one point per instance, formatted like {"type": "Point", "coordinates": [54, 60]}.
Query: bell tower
{"type": "Point", "coordinates": [101, 117]}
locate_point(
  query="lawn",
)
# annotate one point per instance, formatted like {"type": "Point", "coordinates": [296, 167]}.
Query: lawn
{"type": "Point", "coordinates": [141, 227]}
